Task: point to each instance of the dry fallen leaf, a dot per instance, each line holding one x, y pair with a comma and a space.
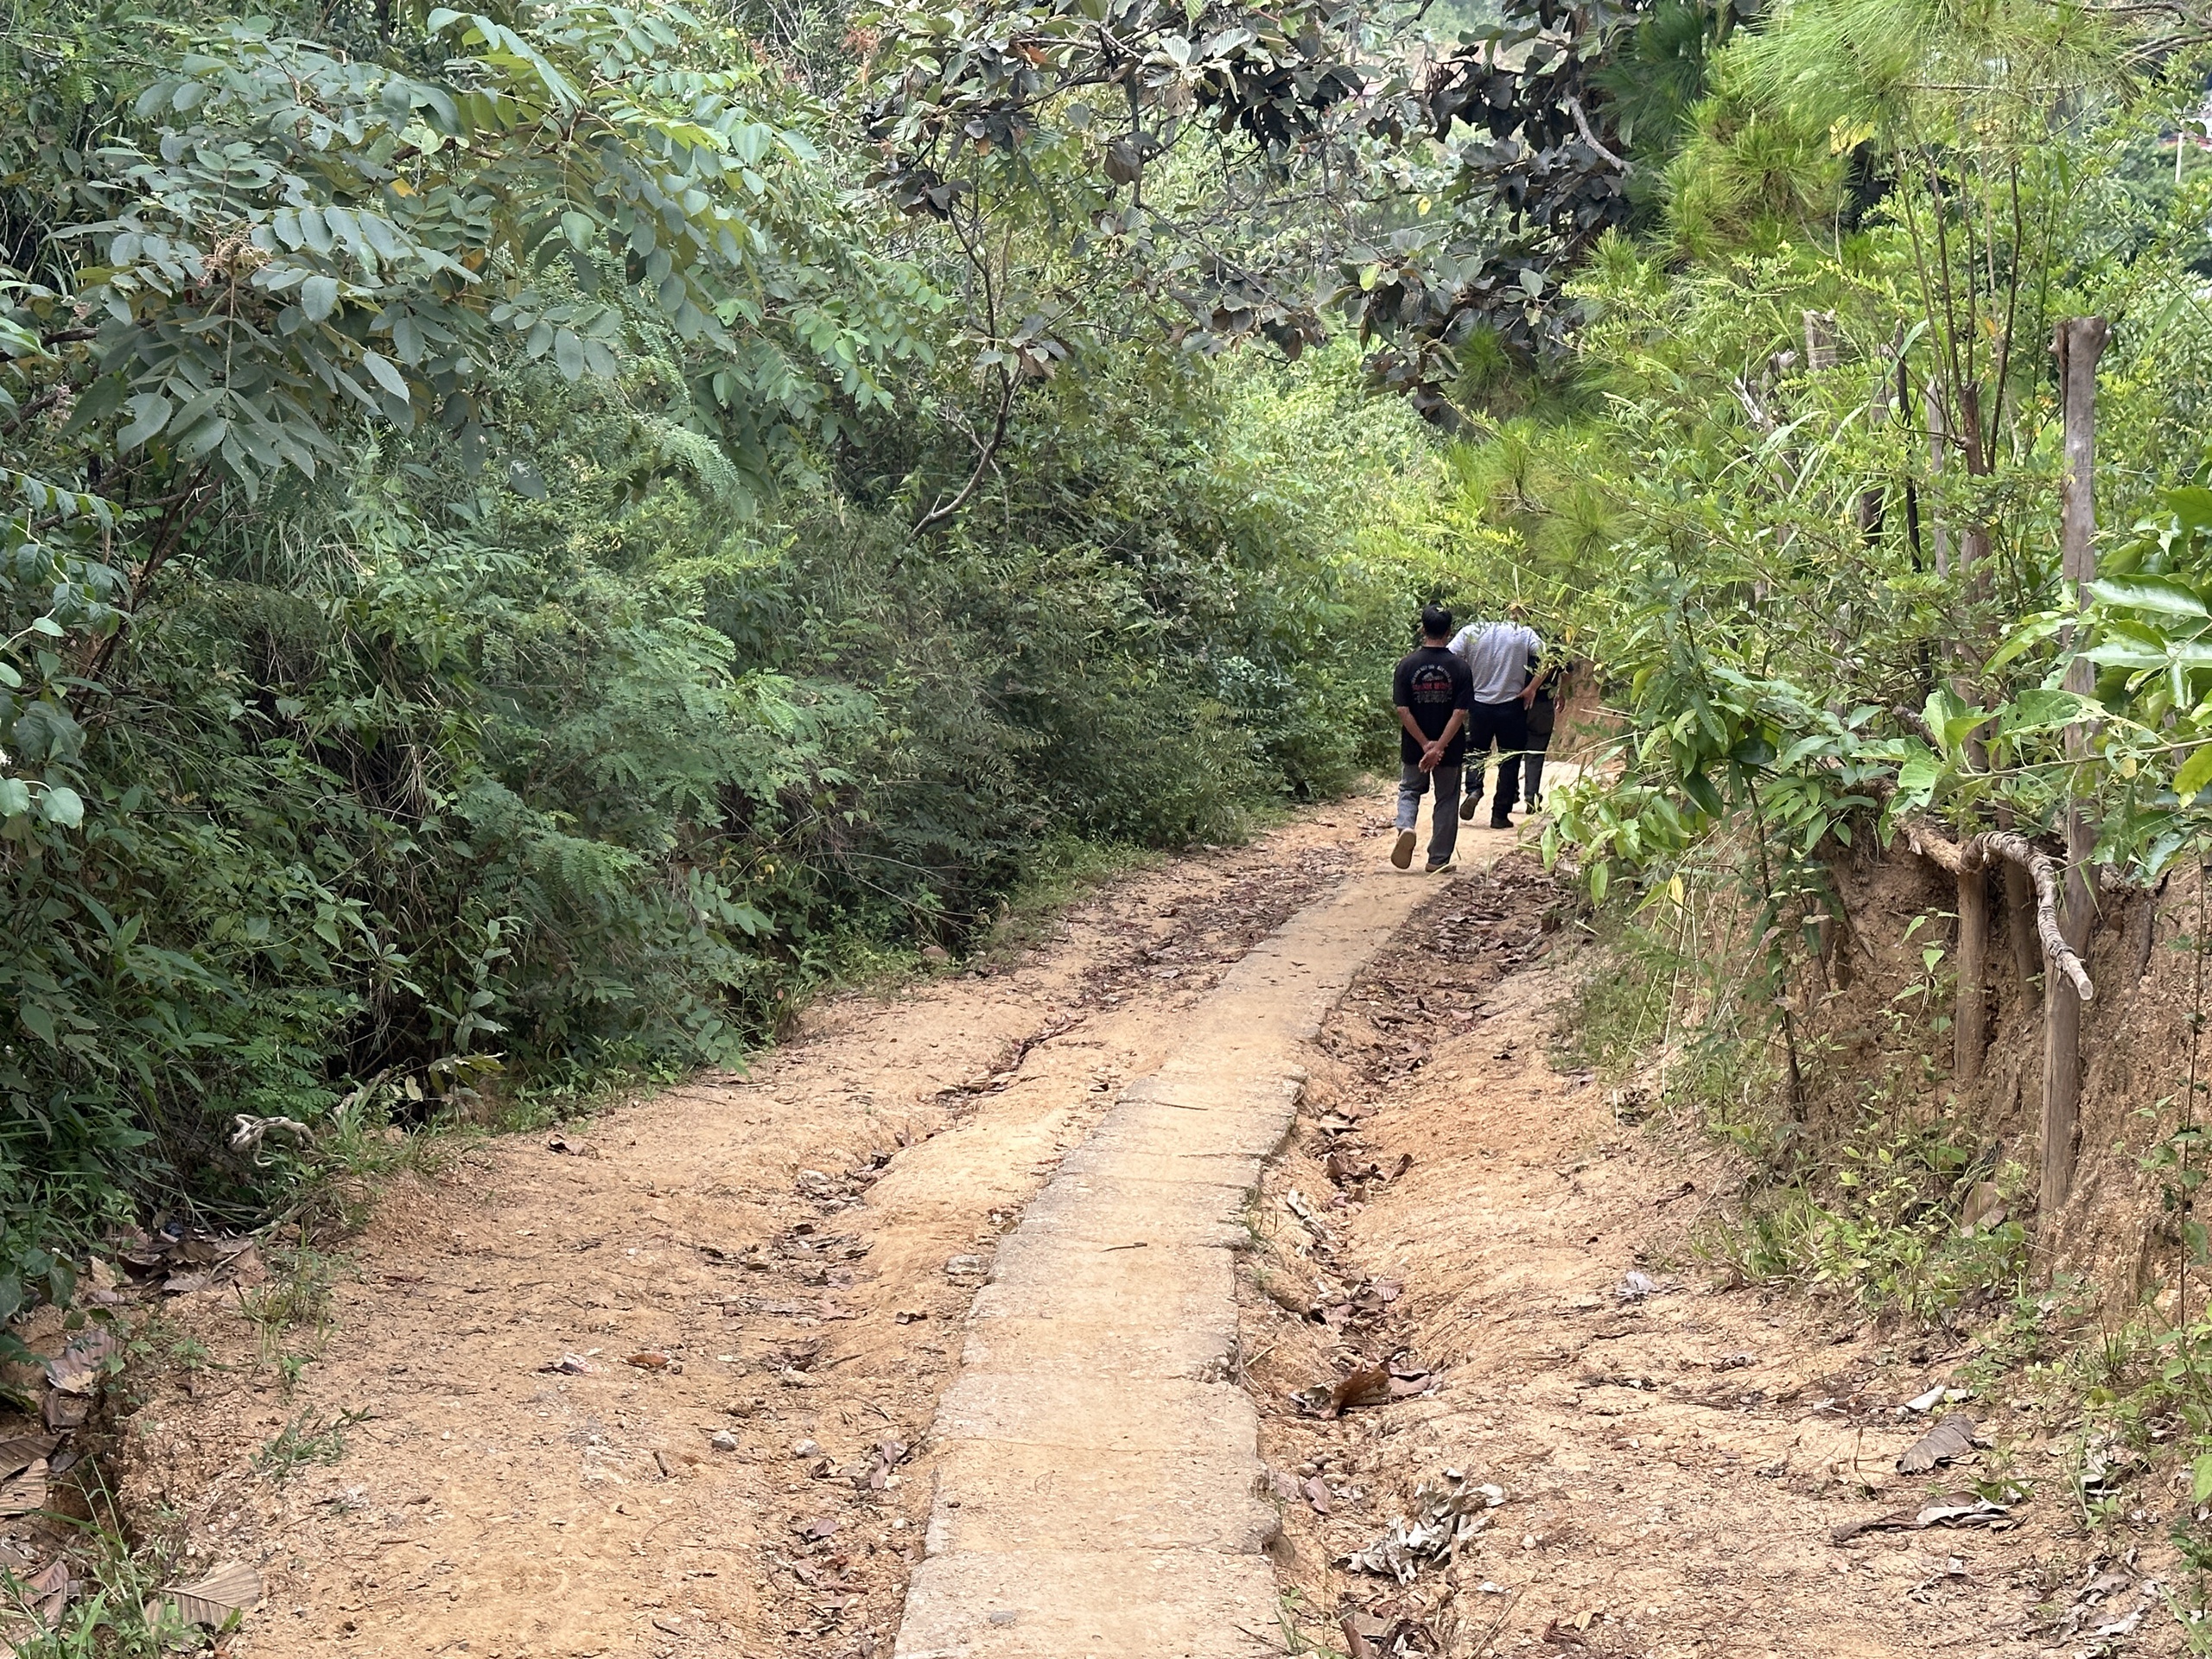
1952, 1437
1952, 1510
50, 1588
78, 1367
233, 1587
1367, 1385
19, 1451
648, 1362
26, 1493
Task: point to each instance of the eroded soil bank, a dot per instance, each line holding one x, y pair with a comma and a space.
1673, 1456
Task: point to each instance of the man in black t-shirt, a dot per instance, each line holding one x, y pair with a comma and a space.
1433, 691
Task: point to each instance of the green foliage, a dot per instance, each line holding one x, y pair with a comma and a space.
465, 635
1881, 1224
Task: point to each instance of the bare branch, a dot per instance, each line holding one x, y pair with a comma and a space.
1958, 857
1582, 127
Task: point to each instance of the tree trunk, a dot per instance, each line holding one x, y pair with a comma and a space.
1969, 1016
2079, 341
1939, 447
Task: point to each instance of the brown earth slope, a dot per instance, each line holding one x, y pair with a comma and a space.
789, 1260
1674, 1456
772, 1249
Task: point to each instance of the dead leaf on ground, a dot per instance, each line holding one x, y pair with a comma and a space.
1952, 1510
1952, 1437
570, 1365
78, 1367
233, 1587
26, 1493
652, 1360
1366, 1636
1984, 1208
1366, 1385
50, 1589
19, 1451
574, 1145
890, 1452
63, 1412
1317, 1494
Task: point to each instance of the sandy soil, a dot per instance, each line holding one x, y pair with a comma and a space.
1673, 1456
784, 1262
773, 1249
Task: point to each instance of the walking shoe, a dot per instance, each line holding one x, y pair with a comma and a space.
1403, 853
1439, 869
1467, 806
1500, 821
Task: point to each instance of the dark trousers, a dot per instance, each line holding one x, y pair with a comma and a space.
1505, 725
1541, 717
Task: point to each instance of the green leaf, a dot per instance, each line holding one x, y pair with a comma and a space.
2192, 505
15, 797
1917, 779
38, 1022
2159, 593
568, 354
2200, 1478
1599, 880
63, 806
387, 374
149, 413
1699, 788
2045, 710
318, 298
2194, 773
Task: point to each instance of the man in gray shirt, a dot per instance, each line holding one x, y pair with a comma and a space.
1498, 655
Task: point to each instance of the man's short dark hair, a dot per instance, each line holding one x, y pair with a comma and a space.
1435, 622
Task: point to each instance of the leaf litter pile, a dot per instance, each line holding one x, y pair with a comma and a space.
1505, 1410
54, 1487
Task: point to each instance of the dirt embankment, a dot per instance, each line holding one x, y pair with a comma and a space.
1668, 1459
1863, 1023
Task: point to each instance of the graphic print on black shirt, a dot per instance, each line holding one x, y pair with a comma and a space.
1432, 682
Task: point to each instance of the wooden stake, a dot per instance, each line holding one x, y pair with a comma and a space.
2079, 342
1969, 1016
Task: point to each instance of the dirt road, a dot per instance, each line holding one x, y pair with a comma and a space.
688, 1386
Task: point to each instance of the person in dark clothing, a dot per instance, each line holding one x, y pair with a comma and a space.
1542, 716
1498, 655
1433, 691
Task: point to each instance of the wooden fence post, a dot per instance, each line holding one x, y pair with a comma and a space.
1970, 1014
2079, 342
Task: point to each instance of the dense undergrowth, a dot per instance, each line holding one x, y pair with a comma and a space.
482, 614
